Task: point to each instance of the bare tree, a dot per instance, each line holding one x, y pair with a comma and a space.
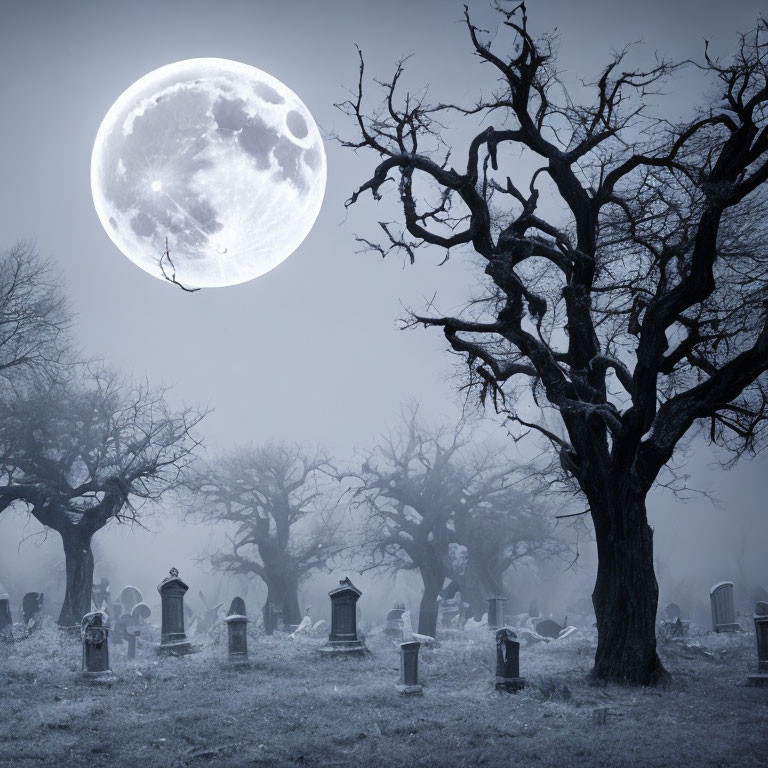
86, 451
34, 317
431, 506
637, 318
277, 497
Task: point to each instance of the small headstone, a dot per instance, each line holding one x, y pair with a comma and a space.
761, 635
672, 612
723, 612
173, 640
129, 598
548, 628
508, 662
141, 613
31, 608
94, 632
409, 668
343, 637
237, 631
450, 611
496, 612
761, 608
393, 626
567, 632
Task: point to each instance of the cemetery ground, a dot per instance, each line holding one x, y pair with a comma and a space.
290, 706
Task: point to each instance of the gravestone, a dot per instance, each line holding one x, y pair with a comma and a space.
129, 598
237, 631
409, 668
672, 612
548, 628
508, 662
141, 613
496, 612
95, 635
723, 613
6, 619
100, 597
343, 637
31, 608
450, 611
173, 640
761, 635
394, 621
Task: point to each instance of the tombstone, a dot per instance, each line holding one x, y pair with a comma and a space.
173, 640
129, 598
141, 613
508, 662
450, 611
6, 619
343, 637
394, 622
237, 631
31, 608
100, 597
672, 612
548, 628
409, 668
723, 613
761, 635
496, 612
94, 632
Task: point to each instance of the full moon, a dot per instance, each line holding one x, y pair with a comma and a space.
216, 159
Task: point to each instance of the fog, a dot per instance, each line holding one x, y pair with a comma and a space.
312, 351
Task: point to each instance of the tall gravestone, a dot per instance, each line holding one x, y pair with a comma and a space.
343, 637
6, 619
723, 612
496, 612
409, 668
508, 662
761, 635
237, 631
173, 640
95, 636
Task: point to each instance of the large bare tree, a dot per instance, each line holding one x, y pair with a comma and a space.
86, 451
277, 502
636, 316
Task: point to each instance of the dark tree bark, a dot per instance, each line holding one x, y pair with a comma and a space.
79, 568
638, 320
433, 579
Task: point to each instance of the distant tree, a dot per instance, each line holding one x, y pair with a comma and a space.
86, 451
430, 505
276, 501
634, 306
34, 317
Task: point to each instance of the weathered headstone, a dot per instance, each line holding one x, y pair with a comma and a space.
761, 635
95, 635
508, 662
409, 668
173, 640
129, 598
723, 613
6, 619
394, 621
343, 637
450, 611
237, 631
141, 613
548, 628
496, 612
100, 597
31, 608
672, 612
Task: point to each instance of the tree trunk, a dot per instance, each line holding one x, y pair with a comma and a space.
79, 564
283, 592
481, 580
626, 593
433, 583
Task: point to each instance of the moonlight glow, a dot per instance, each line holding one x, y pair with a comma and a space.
218, 157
